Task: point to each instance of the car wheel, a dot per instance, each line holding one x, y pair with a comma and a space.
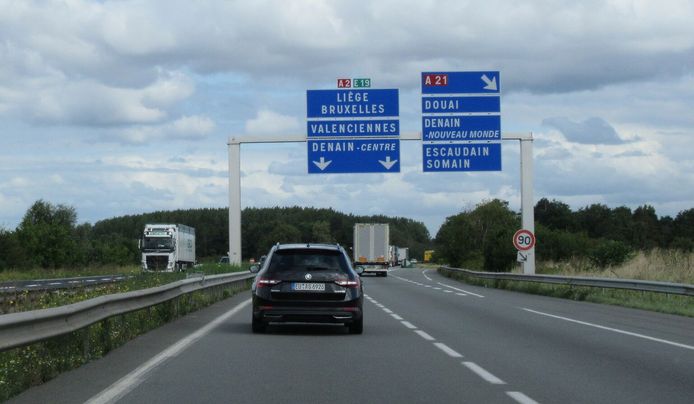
257, 326
357, 327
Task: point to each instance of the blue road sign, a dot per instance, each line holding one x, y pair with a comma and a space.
460, 82
461, 128
437, 105
357, 127
354, 103
461, 157
338, 156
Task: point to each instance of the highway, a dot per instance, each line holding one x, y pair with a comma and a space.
427, 339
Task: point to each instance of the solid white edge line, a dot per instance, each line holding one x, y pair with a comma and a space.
425, 275
602, 327
425, 335
459, 290
483, 373
449, 351
520, 397
409, 325
130, 381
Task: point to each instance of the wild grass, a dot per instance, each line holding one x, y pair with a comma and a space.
674, 266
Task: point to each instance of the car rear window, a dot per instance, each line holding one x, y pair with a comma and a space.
308, 260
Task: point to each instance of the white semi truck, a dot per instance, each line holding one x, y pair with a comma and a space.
167, 247
372, 247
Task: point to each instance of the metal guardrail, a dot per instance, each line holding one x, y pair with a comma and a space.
18, 329
608, 283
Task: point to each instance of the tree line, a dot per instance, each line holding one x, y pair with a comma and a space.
49, 236
481, 237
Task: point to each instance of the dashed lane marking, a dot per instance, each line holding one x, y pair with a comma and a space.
460, 290
520, 397
448, 350
484, 374
602, 327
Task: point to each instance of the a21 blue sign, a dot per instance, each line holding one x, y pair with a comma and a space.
461, 107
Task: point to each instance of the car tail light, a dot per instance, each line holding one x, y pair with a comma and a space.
265, 282
348, 283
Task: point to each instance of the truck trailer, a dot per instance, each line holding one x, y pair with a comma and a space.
372, 247
403, 255
167, 247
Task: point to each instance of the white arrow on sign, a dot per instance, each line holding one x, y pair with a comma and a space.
388, 163
490, 84
322, 164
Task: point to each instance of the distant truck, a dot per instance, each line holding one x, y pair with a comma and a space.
372, 247
403, 255
167, 247
393, 255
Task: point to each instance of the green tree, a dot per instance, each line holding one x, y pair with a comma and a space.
554, 215
47, 235
481, 237
320, 232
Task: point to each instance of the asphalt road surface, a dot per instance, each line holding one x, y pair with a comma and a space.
427, 339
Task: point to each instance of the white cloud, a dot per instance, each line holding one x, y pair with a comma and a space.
82, 82
269, 122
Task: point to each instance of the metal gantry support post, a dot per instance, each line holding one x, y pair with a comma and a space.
527, 202
234, 202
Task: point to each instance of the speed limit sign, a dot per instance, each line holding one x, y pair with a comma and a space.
523, 240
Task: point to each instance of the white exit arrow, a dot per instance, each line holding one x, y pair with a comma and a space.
388, 163
322, 164
490, 84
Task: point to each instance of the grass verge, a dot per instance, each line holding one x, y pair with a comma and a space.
659, 302
24, 367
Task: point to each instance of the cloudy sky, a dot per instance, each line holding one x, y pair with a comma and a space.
125, 107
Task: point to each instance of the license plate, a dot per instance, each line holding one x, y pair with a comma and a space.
308, 287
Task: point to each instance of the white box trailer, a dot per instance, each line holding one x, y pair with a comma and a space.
167, 247
403, 255
372, 247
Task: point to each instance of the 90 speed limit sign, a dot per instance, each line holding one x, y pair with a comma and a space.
523, 240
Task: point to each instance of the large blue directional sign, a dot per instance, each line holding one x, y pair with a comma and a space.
338, 123
332, 156
352, 103
461, 157
461, 128
463, 110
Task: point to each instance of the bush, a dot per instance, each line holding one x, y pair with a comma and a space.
609, 253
